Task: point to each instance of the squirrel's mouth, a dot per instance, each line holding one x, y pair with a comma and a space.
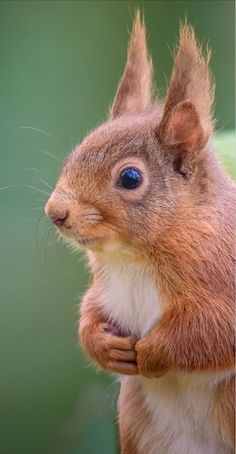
87, 242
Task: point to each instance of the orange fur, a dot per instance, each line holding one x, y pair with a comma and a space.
224, 411
133, 415
175, 236
135, 87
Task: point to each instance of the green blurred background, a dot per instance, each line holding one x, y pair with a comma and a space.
60, 62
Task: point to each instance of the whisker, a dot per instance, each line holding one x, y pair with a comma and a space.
45, 247
48, 153
28, 186
40, 179
41, 200
30, 209
37, 229
41, 131
3, 188
32, 168
51, 243
26, 221
49, 228
61, 256
45, 182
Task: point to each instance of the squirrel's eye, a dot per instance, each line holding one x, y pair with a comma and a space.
130, 178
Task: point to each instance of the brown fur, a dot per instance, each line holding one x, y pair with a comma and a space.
179, 224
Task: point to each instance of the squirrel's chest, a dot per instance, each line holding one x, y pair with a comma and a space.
130, 298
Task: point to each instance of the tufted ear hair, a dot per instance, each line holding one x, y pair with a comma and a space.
187, 119
135, 87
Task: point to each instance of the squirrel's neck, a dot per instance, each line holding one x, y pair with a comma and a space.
197, 250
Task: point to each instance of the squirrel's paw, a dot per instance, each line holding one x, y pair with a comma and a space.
114, 353
148, 362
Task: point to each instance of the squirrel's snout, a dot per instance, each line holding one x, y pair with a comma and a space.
73, 219
58, 214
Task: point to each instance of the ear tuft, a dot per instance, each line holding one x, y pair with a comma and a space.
187, 117
135, 88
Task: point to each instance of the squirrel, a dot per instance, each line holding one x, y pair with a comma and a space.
145, 196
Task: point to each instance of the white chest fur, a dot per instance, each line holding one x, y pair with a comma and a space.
180, 405
130, 297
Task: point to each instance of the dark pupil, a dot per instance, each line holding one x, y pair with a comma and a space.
130, 178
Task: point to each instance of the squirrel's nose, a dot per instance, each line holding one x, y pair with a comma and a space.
57, 214
59, 219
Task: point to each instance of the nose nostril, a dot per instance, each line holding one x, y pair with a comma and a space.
58, 213
59, 220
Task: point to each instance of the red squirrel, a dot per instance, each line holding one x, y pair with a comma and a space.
145, 196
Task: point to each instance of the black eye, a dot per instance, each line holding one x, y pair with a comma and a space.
130, 178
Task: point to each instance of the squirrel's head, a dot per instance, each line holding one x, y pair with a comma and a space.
127, 179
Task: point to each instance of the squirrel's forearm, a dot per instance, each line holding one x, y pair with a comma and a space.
189, 340
90, 317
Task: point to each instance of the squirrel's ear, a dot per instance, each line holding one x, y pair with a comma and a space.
187, 119
135, 87
182, 128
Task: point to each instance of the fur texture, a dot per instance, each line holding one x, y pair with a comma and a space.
160, 310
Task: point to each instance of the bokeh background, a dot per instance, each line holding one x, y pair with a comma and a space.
60, 62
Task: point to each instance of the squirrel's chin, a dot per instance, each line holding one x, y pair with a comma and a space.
88, 242
71, 236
